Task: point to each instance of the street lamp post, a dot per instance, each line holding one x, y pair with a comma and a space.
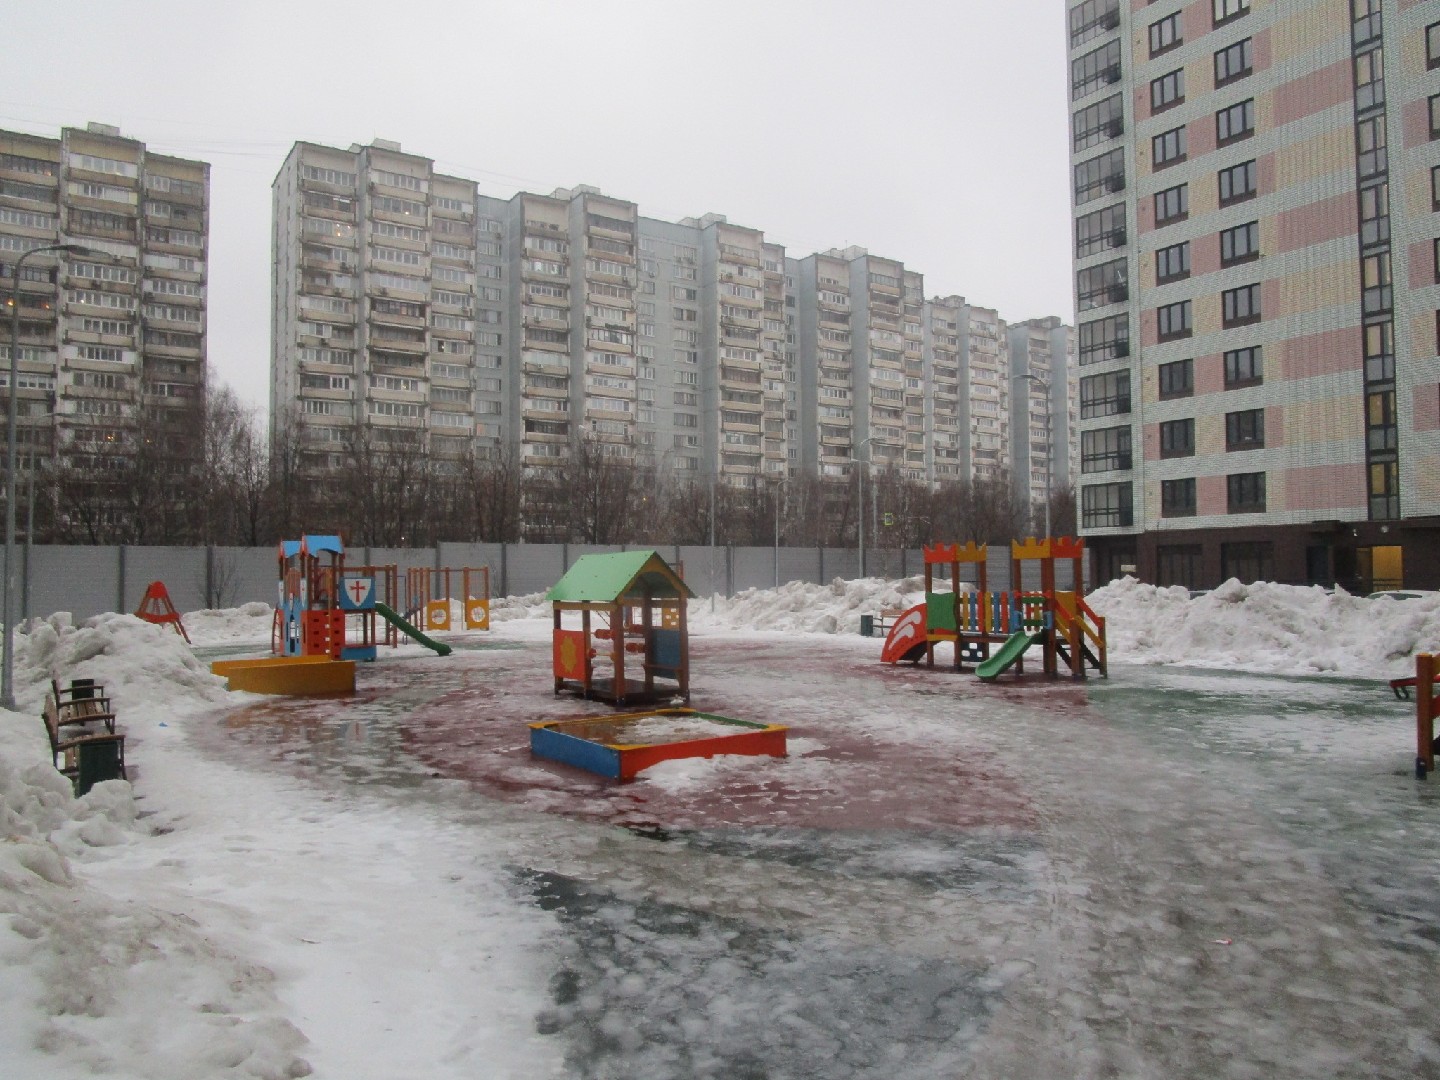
1049, 449
779, 486
860, 510
7, 662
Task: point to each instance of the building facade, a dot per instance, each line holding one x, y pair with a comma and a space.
412, 311
111, 354
1255, 217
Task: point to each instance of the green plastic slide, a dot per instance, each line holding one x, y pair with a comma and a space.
406, 627
1014, 648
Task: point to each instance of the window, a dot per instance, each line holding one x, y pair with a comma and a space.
1105, 283
1235, 123
1095, 69
1240, 244
1373, 156
1245, 493
1105, 449
1105, 395
1240, 306
1243, 367
1434, 106
1435, 258
1100, 231
1167, 148
1370, 80
1225, 10
1172, 205
1380, 352
1245, 430
1105, 506
1377, 294
1104, 339
1233, 62
1384, 490
1166, 34
1096, 123
1380, 421
1237, 183
1172, 263
1375, 214
1177, 499
1092, 18
1253, 561
1178, 564
1100, 176
1177, 379
1167, 91
1174, 320
1177, 438
1432, 45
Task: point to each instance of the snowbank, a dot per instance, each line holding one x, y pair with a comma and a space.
812, 609
1263, 627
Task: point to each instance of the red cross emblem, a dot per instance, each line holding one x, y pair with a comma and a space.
358, 588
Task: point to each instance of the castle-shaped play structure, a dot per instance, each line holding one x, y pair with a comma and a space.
1069, 634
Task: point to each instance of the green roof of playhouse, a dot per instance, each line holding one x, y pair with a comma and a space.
606, 579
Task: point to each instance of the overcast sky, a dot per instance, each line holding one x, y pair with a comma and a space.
930, 131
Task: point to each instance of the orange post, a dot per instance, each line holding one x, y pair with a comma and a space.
1425, 709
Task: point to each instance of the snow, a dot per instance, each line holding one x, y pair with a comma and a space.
255, 909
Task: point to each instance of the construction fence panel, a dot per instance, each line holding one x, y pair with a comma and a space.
81, 580
533, 568
752, 568
242, 575
181, 569
704, 571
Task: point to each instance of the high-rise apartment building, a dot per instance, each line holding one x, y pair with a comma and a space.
410, 311
1256, 209
111, 332
1042, 371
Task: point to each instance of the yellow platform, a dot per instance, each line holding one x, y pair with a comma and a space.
296, 675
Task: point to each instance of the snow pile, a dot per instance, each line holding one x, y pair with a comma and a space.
529, 606
1264, 627
249, 622
804, 608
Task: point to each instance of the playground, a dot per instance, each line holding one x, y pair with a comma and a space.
1167, 872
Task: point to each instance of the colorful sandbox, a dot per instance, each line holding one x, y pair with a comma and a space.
294, 675
620, 745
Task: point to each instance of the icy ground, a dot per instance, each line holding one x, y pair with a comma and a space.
1173, 872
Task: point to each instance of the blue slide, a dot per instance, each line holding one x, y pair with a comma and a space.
1009, 653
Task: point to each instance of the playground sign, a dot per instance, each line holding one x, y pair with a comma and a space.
357, 593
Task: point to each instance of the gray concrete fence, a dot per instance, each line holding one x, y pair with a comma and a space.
86, 581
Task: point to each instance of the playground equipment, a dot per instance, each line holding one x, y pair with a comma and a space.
428, 594
293, 675
1427, 707
638, 602
155, 607
328, 609
1065, 627
619, 746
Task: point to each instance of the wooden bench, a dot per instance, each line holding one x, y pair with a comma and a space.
86, 755
886, 619
82, 703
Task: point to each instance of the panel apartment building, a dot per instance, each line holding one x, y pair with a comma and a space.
115, 333
411, 308
1255, 195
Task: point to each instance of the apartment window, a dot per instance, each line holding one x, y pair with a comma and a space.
1233, 62
1177, 498
1167, 148
1225, 10
1172, 205
1105, 449
1380, 352
1105, 395
1237, 183
1373, 156
1370, 80
1105, 283
1240, 306
1179, 564
1093, 18
1240, 244
1096, 123
1177, 438
1104, 339
1380, 421
1245, 493
1432, 45
1100, 176
1177, 379
1375, 214
1106, 506
1174, 320
1166, 34
1245, 430
1235, 123
1252, 561
1172, 263
1377, 293
1100, 231
1243, 367
1167, 91
1435, 258
1095, 69
1384, 490
1434, 105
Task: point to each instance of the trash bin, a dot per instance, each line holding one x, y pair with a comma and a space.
82, 689
97, 762
867, 625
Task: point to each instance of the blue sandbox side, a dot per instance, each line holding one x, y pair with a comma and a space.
582, 753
